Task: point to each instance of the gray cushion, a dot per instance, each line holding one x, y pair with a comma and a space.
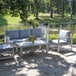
64, 35
4, 47
13, 34
36, 32
60, 41
24, 33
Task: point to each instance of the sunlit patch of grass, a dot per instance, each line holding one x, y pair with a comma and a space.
31, 17
44, 14
12, 20
8, 19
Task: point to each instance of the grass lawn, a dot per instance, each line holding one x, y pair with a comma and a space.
8, 19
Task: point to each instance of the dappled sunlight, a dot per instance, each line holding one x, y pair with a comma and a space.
37, 64
31, 17
44, 14
12, 20
41, 64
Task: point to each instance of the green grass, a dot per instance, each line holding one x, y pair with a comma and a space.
45, 17
9, 20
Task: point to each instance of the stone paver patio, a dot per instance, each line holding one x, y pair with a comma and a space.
41, 64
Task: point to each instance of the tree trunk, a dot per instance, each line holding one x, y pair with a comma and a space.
37, 8
51, 8
63, 8
37, 14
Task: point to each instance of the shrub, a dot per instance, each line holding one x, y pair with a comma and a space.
51, 37
34, 23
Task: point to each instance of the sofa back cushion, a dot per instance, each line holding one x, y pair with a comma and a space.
13, 34
24, 33
36, 32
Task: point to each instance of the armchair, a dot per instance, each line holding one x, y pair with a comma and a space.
64, 39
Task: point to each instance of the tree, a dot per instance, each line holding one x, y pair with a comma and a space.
37, 6
74, 7
51, 8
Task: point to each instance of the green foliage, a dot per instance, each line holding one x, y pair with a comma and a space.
1, 42
34, 23
54, 36
32, 38
23, 8
74, 38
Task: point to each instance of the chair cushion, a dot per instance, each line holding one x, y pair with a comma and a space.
24, 33
60, 41
13, 34
64, 34
36, 32
4, 47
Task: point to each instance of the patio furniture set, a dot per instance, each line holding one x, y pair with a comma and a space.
18, 40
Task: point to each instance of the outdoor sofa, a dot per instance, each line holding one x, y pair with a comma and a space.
19, 35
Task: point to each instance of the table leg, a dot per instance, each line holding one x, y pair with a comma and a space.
21, 51
47, 48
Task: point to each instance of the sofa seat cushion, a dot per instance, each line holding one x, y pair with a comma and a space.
18, 40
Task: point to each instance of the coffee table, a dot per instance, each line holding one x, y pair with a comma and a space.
25, 44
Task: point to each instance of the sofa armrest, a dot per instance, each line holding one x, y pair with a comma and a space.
6, 39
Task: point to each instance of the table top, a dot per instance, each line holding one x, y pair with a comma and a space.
29, 43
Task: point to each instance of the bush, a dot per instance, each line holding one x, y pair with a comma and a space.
1, 41
34, 23
51, 37
74, 40
1, 36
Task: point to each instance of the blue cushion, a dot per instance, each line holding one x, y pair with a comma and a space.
13, 34
24, 33
4, 47
36, 32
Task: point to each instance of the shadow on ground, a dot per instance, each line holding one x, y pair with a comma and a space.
35, 64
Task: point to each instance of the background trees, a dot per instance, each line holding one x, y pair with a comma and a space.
24, 8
